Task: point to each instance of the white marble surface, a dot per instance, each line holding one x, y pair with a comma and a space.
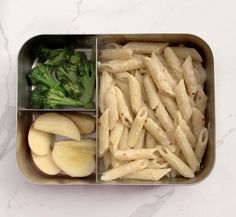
212, 20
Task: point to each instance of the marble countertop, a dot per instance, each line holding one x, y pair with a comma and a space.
211, 20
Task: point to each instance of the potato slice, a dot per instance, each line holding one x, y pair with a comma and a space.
45, 163
57, 124
73, 160
85, 123
88, 144
39, 141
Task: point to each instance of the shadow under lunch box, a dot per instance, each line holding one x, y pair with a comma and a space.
91, 44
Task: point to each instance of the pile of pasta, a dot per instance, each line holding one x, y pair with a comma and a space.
152, 105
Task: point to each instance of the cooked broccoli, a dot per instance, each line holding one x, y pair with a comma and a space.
56, 98
42, 75
67, 73
38, 96
72, 90
46, 53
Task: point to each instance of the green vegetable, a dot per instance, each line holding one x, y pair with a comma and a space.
38, 96
72, 90
56, 98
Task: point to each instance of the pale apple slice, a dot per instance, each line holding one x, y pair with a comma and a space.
85, 123
73, 160
57, 124
87, 144
45, 163
39, 141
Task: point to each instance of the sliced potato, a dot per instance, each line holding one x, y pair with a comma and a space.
85, 123
57, 124
39, 141
73, 160
88, 144
45, 163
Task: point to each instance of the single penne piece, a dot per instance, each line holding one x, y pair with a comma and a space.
151, 90
164, 70
137, 127
190, 77
116, 53
174, 62
198, 122
123, 144
176, 162
202, 72
165, 120
123, 110
186, 149
140, 142
150, 142
116, 163
107, 160
201, 100
158, 76
103, 138
157, 164
111, 45
201, 144
134, 154
179, 121
151, 113
111, 104
182, 100
124, 169
122, 76
116, 66
115, 136
145, 47
157, 132
170, 105
135, 94
183, 52
148, 174
140, 80
105, 83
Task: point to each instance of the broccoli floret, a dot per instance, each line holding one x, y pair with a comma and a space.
46, 53
67, 73
88, 82
42, 75
38, 96
56, 98
72, 90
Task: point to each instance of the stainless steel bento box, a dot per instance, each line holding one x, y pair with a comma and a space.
92, 44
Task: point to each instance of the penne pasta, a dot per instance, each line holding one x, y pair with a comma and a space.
198, 122
201, 100
116, 53
122, 76
107, 160
140, 142
140, 80
124, 169
148, 174
116, 66
123, 144
183, 101
105, 83
150, 141
115, 136
151, 90
176, 162
135, 94
103, 133
116, 163
174, 62
111, 104
183, 52
157, 164
145, 47
201, 72
134, 154
123, 110
190, 77
111, 45
137, 127
157, 132
179, 121
159, 77
201, 144
170, 105
186, 149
